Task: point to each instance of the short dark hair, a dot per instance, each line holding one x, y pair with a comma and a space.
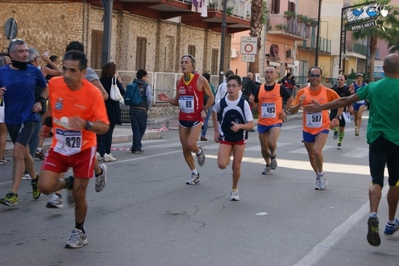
315, 67
228, 73
207, 76
141, 73
234, 77
53, 58
77, 56
76, 46
108, 70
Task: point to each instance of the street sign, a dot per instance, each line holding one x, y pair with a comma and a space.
364, 25
10, 29
247, 58
249, 45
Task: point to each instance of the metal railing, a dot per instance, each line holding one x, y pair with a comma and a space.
324, 44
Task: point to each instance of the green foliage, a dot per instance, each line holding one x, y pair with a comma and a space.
265, 12
289, 14
230, 11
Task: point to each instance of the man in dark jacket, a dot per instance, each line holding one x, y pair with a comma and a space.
248, 86
138, 113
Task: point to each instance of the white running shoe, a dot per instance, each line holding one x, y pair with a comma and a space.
273, 163
267, 170
201, 156
109, 158
55, 202
321, 183
234, 196
26, 177
98, 156
194, 179
77, 239
101, 180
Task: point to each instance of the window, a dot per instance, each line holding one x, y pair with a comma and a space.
291, 6
96, 49
214, 65
141, 52
191, 50
275, 9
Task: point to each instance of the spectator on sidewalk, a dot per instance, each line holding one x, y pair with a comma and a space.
3, 128
208, 114
139, 113
190, 90
222, 89
104, 141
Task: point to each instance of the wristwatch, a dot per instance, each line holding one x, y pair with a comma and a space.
89, 125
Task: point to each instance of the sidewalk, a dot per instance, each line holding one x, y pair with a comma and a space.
154, 130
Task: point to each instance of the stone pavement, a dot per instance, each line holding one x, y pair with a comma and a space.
123, 133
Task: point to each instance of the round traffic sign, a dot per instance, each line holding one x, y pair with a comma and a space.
10, 29
248, 48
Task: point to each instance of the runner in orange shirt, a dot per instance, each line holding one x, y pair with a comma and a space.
77, 113
316, 126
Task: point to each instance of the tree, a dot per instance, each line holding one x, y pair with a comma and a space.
258, 19
384, 29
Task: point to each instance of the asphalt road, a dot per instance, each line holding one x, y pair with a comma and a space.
148, 216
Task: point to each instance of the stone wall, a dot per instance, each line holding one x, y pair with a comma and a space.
51, 25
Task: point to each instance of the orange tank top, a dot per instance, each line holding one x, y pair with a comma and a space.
270, 105
315, 122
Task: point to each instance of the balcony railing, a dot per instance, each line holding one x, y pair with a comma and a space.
238, 8
310, 43
360, 49
291, 26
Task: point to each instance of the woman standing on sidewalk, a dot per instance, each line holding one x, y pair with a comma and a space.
113, 110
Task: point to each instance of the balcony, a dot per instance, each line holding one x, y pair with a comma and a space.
289, 28
310, 44
237, 19
360, 49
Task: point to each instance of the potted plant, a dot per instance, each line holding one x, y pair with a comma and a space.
302, 18
313, 22
280, 27
289, 14
230, 10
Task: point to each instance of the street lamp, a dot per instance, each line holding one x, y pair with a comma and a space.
316, 61
221, 68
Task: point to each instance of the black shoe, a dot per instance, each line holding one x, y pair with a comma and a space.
373, 237
69, 180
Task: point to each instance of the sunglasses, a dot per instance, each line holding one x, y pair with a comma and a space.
314, 75
340, 79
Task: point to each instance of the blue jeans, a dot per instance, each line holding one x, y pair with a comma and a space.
206, 120
104, 141
138, 120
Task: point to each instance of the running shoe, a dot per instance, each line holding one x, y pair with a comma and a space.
26, 177
98, 156
138, 151
40, 155
390, 229
321, 183
339, 146
4, 161
109, 158
55, 202
77, 239
201, 156
11, 199
335, 136
273, 163
101, 180
234, 196
267, 170
194, 179
357, 131
35, 190
373, 237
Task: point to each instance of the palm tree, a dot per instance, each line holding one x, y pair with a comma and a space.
258, 19
384, 30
